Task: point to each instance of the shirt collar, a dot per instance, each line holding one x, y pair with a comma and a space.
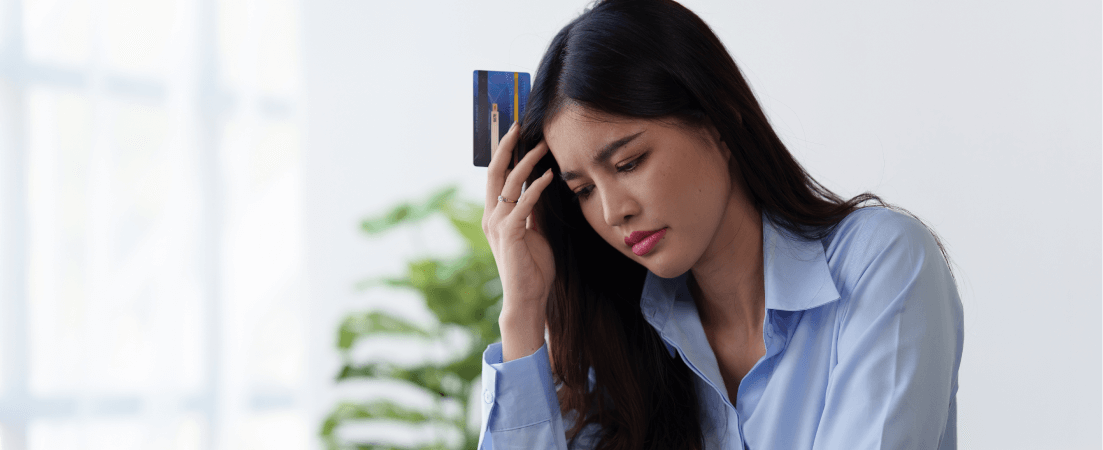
796, 275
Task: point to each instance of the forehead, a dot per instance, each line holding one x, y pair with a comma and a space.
576, 134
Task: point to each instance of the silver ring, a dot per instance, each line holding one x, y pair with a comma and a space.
503, 199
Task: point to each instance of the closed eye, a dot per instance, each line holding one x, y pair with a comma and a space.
633, 164
629, 166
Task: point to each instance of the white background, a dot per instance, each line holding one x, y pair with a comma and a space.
981, 117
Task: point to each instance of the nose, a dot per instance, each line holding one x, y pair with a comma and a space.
618, 205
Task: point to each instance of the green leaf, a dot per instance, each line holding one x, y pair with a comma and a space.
377, 409
455, 291
464, 292
469, 368
429, 377
390, 447
363, 324
467, 219
371, 282
441, 199
409, 213
388, 221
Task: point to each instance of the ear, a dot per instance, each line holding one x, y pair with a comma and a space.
714, 134
718, 140
725, 151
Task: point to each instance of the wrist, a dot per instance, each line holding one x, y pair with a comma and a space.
517, 309
522, 315
522, 332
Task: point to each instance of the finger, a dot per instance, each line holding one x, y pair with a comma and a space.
524, 206
510, 140
521, 171
496, 170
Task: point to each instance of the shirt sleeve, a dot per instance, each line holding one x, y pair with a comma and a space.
520, 406
900, 338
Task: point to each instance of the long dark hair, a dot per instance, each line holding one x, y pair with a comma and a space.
647, 59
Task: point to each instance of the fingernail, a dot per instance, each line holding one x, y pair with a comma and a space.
547, 172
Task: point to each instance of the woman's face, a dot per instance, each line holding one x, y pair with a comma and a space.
656, 180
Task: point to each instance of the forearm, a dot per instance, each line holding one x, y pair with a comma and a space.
522, 329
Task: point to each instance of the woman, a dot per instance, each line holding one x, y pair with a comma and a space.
698, 288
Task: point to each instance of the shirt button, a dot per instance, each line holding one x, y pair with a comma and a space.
488, 396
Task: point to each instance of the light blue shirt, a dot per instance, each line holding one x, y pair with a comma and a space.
863, 335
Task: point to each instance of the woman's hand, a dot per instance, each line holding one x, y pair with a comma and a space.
524, 258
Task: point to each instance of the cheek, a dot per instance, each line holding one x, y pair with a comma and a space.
591, 210
704, 188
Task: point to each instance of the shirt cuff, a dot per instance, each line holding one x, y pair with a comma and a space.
518, 393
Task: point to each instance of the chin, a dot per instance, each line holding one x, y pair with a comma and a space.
667, 274
664, 268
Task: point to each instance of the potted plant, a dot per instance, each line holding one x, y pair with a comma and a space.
462, 292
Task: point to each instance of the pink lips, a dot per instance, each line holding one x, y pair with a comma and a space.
643, 241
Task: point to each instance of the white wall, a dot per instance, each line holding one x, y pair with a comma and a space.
983, 118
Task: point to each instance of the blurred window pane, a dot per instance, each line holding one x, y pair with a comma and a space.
114, 435
51, 435
264, 247
278, 54
8, 260
5, 28
138, 34
179, 433
258, 45
275, 156
58, 31
276, 430
59, 141
233, 24
110, 434
140, 249
278, 350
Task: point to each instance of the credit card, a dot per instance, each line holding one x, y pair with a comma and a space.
500, 99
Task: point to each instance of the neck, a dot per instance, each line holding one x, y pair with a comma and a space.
727, 282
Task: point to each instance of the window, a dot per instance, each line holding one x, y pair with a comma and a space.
150, 245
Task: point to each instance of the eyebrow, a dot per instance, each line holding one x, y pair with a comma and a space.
604, 154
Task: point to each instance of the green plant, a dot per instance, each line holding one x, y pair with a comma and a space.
462, 292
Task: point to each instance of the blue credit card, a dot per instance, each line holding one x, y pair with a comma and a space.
500, 99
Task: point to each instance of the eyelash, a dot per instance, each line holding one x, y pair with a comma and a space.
634, 164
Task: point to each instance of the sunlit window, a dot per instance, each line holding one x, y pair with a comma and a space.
151, 294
